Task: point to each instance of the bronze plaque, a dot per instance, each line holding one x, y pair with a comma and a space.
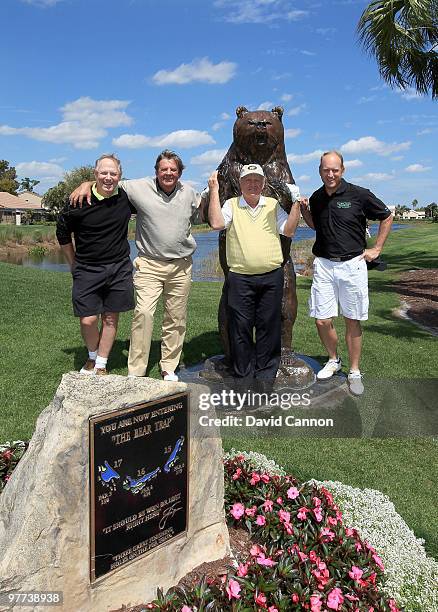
138, 481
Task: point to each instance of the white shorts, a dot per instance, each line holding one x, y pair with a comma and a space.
345, 282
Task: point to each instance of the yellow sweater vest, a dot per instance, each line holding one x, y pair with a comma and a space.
253, 243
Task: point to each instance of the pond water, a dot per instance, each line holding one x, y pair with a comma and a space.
206, 241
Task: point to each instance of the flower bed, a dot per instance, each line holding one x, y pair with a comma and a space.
411, 577
305, 557
10, 455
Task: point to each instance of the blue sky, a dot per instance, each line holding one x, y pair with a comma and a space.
83, 77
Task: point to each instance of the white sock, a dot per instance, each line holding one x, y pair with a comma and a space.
92, 355
101, 362
354, 371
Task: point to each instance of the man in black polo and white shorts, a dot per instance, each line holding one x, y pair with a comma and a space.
338, 212
99, 261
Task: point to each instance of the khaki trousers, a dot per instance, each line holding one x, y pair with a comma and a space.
153, 278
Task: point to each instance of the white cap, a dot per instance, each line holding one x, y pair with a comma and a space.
251, 169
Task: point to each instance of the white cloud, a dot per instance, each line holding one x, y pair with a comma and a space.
305, 157
62, 133
425, 131
258, 11
374, 177
304, 178
305, 52
409, 94
414, 168
370, 144
182, 139
213, 157
352, 163
99, 113
201, 70
42, 3
296, 110
292, 132
39, 169
84, 123
325, 31
366, 99
225, 116
265, 106
286, 97
296, 15
217, 126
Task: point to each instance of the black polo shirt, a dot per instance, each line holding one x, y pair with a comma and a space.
340, 219
100, 230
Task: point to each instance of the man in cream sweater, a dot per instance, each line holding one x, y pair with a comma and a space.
255, 280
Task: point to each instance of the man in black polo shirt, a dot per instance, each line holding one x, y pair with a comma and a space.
338, 212
99, 261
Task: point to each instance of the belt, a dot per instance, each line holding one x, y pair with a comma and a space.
344, 258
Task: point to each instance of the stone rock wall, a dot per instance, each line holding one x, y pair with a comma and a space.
44, 509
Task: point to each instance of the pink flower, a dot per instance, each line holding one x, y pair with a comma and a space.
316, 501
284, 516
251, 511
260, 599
378, 562
186, 609
327, 495
255, 478
237, 474
302, 513
266, 561
318, 514
268, 505
393, 606
352, 598
315, 603
260, 520
332, 521
280, 501
238, 510
349, 532
334, 599
302, 556
255, 550
313, 556
272, 609
265, 478
295, 598
327, 535
288, 528
242, 570
358, 546
233, 589
292, 493
355, 573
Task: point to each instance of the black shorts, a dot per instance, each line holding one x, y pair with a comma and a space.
102, 288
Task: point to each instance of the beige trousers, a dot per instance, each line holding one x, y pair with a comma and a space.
153, 278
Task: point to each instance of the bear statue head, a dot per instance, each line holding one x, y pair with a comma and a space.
259, 135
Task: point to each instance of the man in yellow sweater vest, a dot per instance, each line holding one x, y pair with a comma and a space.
255, 280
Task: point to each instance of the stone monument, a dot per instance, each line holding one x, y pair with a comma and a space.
49, 525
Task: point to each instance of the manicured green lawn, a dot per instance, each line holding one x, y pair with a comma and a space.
40, 340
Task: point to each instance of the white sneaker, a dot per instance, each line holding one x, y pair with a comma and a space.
331, 367
355, 383
170, 376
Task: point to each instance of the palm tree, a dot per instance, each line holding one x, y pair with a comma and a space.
28, 184
414, 204
403, 36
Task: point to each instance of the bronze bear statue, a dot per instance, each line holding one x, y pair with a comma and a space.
258, 137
